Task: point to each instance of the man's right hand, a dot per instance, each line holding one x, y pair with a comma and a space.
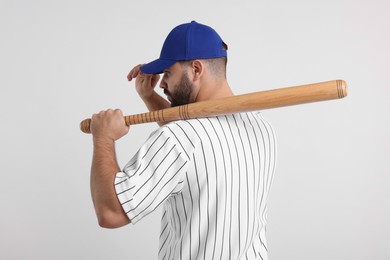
145, 83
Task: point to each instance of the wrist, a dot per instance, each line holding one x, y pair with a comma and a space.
103, 141
147, 96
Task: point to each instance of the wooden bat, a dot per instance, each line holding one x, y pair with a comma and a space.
241, 103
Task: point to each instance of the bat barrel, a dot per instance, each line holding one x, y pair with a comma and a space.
281, 97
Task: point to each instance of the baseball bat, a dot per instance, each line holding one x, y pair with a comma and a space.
261, 100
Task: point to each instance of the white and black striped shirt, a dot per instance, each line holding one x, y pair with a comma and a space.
212, 176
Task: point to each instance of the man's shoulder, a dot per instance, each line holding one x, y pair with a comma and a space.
192, 127
182, 131
187, 125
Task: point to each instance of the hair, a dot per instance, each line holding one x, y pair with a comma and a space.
216, 66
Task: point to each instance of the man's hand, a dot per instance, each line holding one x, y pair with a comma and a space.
145, 83
108, 125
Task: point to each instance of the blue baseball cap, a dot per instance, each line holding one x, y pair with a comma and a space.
187, 41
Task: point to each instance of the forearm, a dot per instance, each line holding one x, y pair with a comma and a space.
156, 102
104, 168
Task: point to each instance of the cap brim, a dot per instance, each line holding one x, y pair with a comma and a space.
157, 66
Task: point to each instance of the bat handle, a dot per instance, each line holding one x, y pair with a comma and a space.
85, 125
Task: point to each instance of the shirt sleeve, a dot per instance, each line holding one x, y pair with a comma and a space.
155, 172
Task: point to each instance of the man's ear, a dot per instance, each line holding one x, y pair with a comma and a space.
198, 68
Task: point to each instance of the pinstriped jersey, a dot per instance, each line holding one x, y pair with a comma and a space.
212, 177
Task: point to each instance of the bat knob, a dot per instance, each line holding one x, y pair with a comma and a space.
85, 126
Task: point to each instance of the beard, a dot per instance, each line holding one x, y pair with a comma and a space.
183, 92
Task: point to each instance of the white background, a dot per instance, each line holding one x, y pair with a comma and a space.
61, 61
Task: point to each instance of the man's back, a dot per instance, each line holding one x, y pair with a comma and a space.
221, 209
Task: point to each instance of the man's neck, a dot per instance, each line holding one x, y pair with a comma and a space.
214, 91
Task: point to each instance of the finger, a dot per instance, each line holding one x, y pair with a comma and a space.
118, 111
134, 72
130, 75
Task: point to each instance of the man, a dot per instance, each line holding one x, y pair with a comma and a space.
211, 175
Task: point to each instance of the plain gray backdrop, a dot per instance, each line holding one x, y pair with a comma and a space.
62, 61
